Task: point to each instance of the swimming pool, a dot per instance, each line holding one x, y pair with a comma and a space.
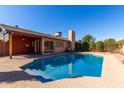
65, 66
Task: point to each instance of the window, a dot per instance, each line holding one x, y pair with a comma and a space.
48, 46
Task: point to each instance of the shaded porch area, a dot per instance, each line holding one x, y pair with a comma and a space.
16, 43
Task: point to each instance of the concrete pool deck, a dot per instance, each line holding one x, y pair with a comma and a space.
11, 76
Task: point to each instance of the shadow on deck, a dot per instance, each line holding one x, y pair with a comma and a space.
32, 56
13, 76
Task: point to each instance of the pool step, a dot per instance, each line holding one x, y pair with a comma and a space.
29, 71
38, 73
46, 75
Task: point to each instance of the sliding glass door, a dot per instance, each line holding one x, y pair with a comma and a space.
48, 46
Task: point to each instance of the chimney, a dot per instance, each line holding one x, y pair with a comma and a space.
71, 37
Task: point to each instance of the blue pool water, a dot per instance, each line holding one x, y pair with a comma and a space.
65, 66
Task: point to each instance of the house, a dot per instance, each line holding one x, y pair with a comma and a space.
15, 40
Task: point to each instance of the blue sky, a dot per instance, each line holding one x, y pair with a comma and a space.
100, 21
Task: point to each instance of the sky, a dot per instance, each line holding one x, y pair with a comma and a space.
100, 21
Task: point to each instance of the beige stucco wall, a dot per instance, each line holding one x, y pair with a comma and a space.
61, 49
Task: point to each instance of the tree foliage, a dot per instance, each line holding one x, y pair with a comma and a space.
85, 46
80, 41
88, 38
110, 45
120, 43
99, 46
92, 46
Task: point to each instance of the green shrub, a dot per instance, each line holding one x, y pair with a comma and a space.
110, 45
85, 46
92, 46
99, 46
120, 43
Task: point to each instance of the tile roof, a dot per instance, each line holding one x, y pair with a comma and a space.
26, 31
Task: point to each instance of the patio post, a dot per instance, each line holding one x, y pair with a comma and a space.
10, 45
41, 47
35, 46
38, 51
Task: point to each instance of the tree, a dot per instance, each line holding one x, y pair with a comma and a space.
88, 38
80, 41
99, 46
92, 46
120, 43
85, 46
110, 45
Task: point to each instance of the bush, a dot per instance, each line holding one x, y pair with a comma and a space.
85, 46
99, 46
110, 45
120, 43
92, 46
